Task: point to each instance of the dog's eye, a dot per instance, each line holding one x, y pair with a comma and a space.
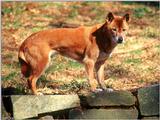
124, 29
114, 29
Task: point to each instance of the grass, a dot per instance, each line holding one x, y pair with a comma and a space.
9, 76
64, 64
36, 29
10, 71
133, 61
158, 49
151, 32
16, 24
7, 10
137, 52
136, 64
158, 46
74, 85
74, 64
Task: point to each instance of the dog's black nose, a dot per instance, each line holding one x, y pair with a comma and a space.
120, 39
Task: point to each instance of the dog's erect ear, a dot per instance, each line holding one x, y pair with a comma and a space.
110, 17
126, 17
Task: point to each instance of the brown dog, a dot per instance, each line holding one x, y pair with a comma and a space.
88, 45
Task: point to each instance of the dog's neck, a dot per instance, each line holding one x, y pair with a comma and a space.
104, 39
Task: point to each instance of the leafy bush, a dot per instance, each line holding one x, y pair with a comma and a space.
141, 11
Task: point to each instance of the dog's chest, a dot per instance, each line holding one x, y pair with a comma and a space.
103, 56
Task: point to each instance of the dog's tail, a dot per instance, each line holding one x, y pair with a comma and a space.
25, 67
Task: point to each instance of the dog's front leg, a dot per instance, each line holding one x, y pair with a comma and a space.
100, 74
89, 65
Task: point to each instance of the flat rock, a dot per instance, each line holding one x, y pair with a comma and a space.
29, 106
150, 118
149, 100
105, 114
115, 98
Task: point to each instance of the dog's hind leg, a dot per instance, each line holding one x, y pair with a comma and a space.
32, 84
36, 73
38, 61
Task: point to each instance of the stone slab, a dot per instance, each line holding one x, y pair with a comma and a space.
150, 118
104, 114
115, 98
149, 100
28, 106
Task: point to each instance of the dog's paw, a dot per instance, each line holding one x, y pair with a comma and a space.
109, 90
38, 93
97, 90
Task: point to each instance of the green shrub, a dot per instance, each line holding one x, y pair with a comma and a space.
141, 11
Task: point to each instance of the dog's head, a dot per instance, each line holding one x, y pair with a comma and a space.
118, 25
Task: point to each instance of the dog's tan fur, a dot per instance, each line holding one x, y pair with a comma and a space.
88, 45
